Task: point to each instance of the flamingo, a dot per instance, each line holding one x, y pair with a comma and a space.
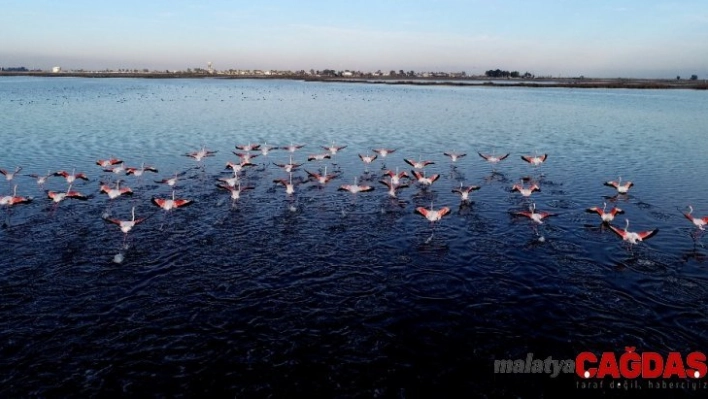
58, 197
619, 186
292, 147
171, 181
319, 157
126, 225
234, 190
116, 192
118, 168
137, 172
525, 191
333, 149
200, 154
533, 215
493, 159
431, 214
245, 158
14, 199
71, 177
288, 184
237, 167
392, 187
606, 216
355, 188
465, 191
698, 222
248, 147
396, 176
265, 149
41, 179
169, 204
383, 152
425, 181
454, 156
323, 178
418, 164
633, 237
107, 163
288, 167
10, 175
535, 160
230, 181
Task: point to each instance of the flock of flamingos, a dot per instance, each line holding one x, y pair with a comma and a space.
393, 180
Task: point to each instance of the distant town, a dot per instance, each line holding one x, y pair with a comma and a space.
490, 77
209, 70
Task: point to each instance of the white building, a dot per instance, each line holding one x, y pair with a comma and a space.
56, 69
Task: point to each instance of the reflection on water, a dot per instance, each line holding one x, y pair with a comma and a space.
327, 291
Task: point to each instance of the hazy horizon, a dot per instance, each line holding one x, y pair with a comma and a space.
640, 39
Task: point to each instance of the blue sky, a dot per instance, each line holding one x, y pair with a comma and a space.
598, 38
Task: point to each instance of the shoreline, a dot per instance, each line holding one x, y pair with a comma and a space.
579, 83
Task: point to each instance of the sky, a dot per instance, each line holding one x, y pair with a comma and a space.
558, 38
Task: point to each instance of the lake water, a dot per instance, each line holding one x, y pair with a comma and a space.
328, 293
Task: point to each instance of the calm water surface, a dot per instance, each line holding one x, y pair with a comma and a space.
327, 293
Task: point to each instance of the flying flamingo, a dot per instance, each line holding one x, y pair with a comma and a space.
126, 225
245, 157
14, 199
288, 167
535, 160
633, 237
41, 180
323, 178
318, 157
292, 147
418, 164
355, 188
396, 176
107, 163
333, 149
367, 159
383, 152
116, 192
606, 216
71, 177
248, 147
171, 181
200, 154
57, 197
237, 167
288, 184
454, 156
433, 215
392, 187
230, 181
137, 172
425, 181
525, 191
493, 159
118, 168
698, 222
10, 175
169, 204
235, 191
533, 215
465, 191
621, 188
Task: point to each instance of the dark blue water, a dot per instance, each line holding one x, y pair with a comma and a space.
327, 293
